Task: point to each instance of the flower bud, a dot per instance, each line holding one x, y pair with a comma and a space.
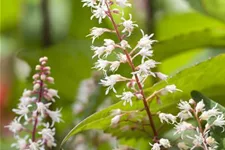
38, 67
50, 80
35, 76
43, 77
36, 86
115, 120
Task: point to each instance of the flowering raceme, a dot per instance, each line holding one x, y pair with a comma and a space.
33, 110
125, 54
206, 120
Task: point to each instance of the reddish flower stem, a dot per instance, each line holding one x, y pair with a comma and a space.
36, 119
155, 139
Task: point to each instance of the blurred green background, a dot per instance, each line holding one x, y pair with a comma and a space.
188, 31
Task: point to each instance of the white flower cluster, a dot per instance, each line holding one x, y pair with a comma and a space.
143, 49
32, 111
206, 120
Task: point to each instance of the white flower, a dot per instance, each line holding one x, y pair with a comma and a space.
21, 143
184, 106
182, 127
182, 146
115, 120
99, 51
220, 121
109, 46
170, 88
114, 65
200, 107
191, 101
22, 111
89, 3
50, 80
122, 57
145, 41
161, 75
48, 136
15, 126
26, 100
110, 81
184, 115
97, 32
169, 118
27, 93
128, 25
55, 116
36, 86
145, 53
155, 146
52, 93
123, 3
210, 113
127, 97
43, 77
101, 64
144, 68
42, 108
165, 143
124, 44
34, 145
210, 141
115, 112
198, 139
99, 12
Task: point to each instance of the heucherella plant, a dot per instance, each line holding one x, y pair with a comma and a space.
126, 54
195, 135
34, 116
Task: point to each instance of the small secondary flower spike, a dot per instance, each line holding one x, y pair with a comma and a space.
33, 110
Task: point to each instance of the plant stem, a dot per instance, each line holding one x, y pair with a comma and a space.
46, 34
36, 119
200, 128
155, 139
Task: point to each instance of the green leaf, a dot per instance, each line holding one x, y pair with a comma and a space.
196, 77
182, 32
215, 8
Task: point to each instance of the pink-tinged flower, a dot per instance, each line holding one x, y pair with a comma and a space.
15, 126
42, 108
22, 111
21, 143
48, 136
